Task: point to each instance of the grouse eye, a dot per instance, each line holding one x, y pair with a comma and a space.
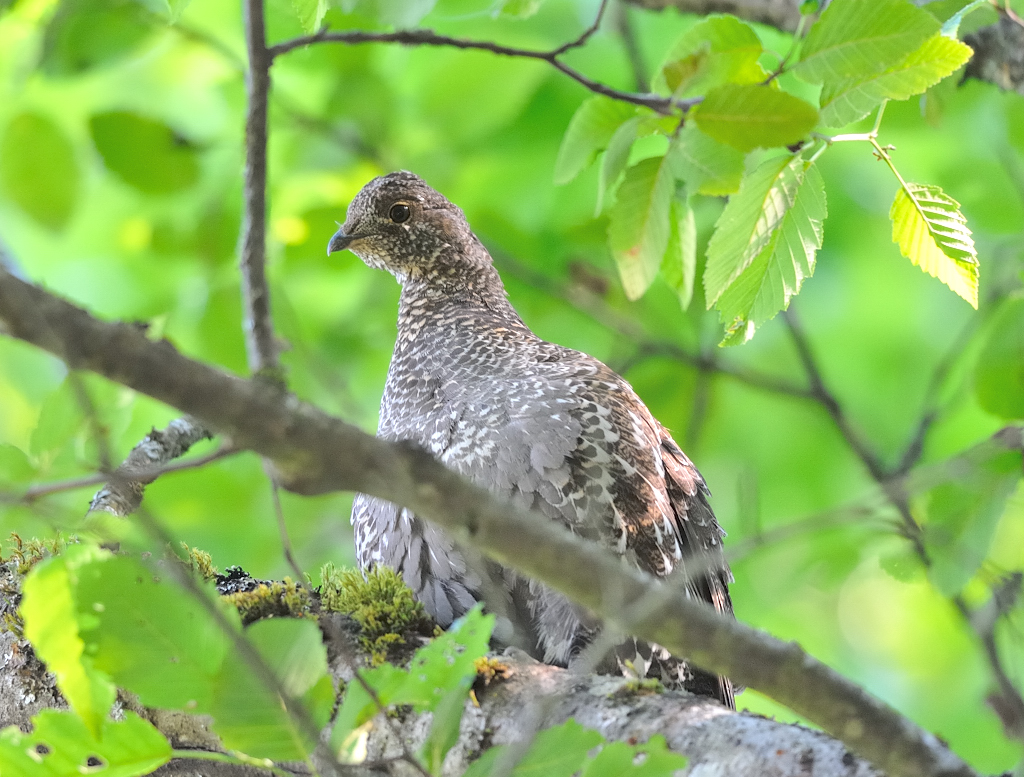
400, 213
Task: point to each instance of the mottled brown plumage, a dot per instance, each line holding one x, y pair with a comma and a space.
546, 427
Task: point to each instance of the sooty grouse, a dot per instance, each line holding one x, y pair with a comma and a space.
544, 426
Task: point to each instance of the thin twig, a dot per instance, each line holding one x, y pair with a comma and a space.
605, 315
889, 480
587, 33
40, 490
100, 430
282, 527
259, 329
663, 105
634, 54
820, 393
296, 709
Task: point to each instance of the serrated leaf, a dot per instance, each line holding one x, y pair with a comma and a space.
716, 51
52, 626
310, 12
932, 232
590, 130
144, 153
639, 227
999, 372
849, 100
747, 223
855, 38
707, 166
38, 169
679, 265
616, 157
60, 745
776, 274
750, 116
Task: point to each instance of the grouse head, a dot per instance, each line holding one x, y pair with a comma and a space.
399, 224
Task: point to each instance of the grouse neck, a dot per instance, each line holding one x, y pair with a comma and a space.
430, 304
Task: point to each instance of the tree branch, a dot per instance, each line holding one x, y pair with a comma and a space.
315, 453
1009, 701
259, 328
784, 14
664, 105
123, 493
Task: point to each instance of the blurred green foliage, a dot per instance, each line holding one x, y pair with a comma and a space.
120, 175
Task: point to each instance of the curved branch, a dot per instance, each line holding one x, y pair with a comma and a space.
664, 105
315, 453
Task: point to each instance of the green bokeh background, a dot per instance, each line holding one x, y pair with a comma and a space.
137, 218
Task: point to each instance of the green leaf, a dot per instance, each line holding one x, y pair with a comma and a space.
60, 745
144, 153
310, 12
849, 100
750, 116
962, 518
618, 759
720, 50
707, 166
15, 466
150, 636
520, 9
679, 265
590, 130
856, 38
639, 227
776, 274
38, 170
559, 751
169, 10
931, 232
999, 372
746, 225
248, 716
52, 626
437, 673
60, 418
616, 157
86, 33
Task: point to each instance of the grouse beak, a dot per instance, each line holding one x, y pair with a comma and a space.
340, 241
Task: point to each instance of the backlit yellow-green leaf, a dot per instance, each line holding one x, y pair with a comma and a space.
931, 232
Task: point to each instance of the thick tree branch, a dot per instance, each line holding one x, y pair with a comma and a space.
315, 453
655, 102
